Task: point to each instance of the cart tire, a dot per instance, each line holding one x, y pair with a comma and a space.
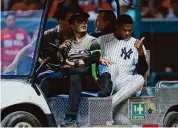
20, 119
171, 119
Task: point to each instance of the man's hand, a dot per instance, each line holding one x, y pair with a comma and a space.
105, 62
139, 45
11, 68
65, 45
69, 64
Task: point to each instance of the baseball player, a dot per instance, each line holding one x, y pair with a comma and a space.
125, 53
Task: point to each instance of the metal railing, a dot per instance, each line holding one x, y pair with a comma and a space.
167, 82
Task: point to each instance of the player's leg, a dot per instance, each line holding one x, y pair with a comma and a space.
127, 88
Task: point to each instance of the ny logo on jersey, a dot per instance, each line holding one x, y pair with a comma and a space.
127, 54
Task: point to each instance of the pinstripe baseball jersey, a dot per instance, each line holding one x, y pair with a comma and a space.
122, 53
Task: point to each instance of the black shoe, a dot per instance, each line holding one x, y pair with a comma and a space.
68, 122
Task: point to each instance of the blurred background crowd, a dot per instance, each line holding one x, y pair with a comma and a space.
149, 8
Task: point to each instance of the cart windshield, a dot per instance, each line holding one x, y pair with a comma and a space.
20, 27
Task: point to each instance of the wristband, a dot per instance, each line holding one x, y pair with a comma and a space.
76, 63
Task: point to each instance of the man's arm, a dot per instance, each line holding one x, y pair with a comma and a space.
25, 51
95, 50
142, 65
48, 37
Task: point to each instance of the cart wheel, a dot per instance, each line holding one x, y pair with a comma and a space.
171, 119
20, 119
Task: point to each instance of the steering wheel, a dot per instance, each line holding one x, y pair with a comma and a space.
59, 54
56, 59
